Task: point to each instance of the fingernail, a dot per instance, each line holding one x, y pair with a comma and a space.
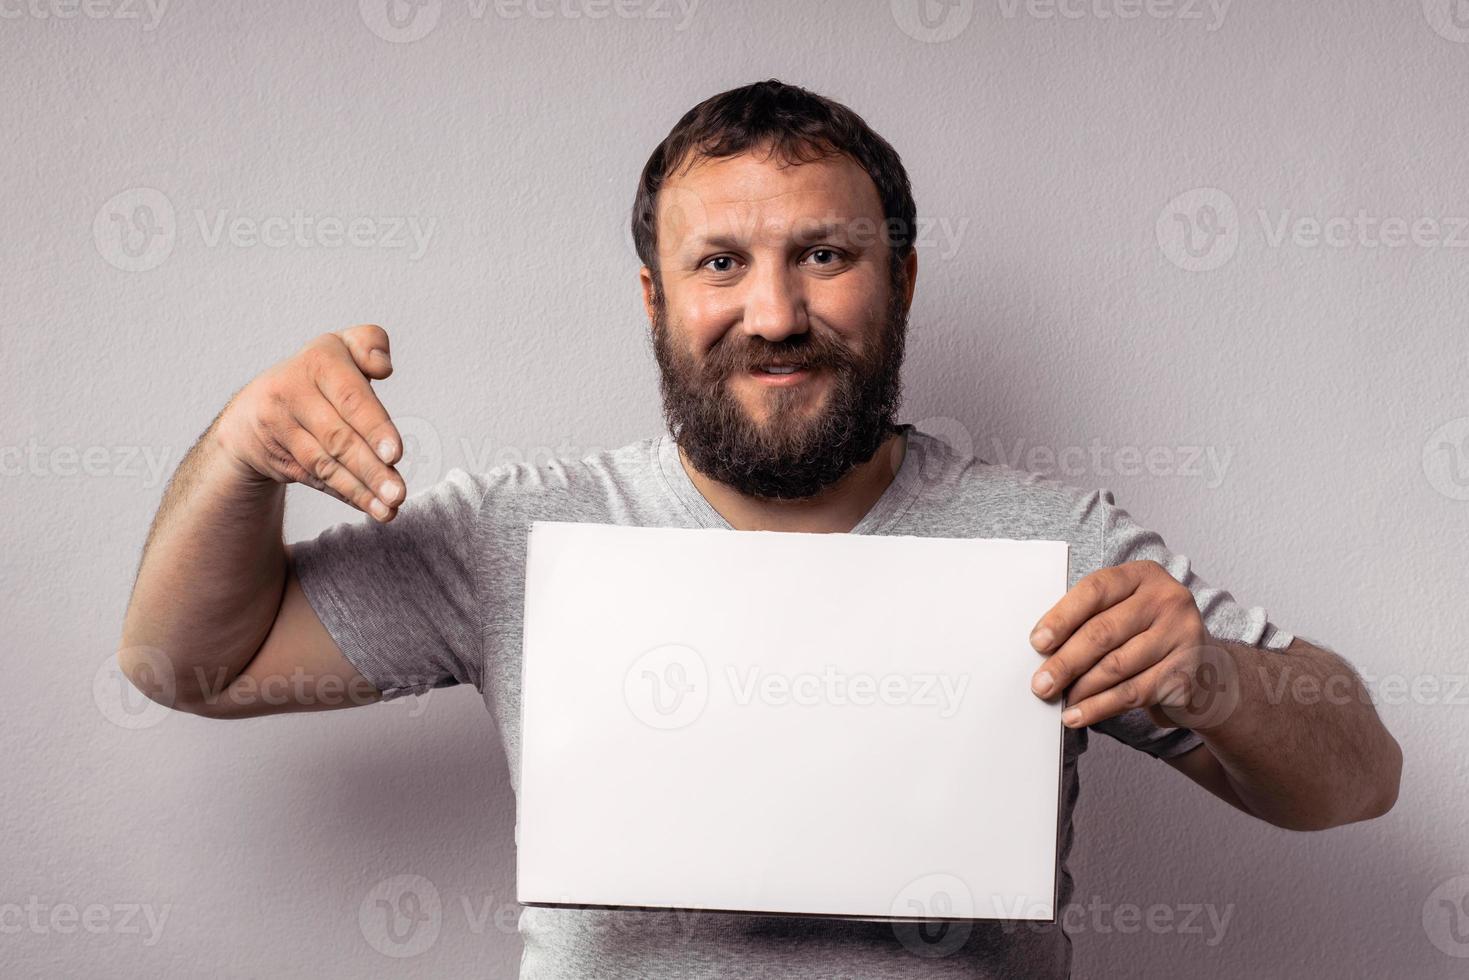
385, 450
388, 492
1041, 638
379, 359
1071, 716
378, 509
1042, 683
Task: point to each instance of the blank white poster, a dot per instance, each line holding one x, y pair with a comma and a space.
818, 724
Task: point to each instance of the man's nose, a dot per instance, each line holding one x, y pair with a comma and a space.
775, 307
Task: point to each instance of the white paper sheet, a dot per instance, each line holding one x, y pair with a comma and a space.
824, 724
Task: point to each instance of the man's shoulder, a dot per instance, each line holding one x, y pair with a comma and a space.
999, 498
590, 485
948, 463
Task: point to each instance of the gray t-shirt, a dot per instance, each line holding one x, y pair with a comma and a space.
435, 598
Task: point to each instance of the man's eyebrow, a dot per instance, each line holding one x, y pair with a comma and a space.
802, 233
722, 240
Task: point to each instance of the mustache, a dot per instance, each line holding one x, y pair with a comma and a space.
807, 350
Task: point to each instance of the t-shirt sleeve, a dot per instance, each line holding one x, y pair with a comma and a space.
1124, 540
401, 599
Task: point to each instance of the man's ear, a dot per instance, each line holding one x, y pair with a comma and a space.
650, 291
910, 276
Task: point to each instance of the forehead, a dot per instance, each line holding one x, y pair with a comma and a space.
756, 195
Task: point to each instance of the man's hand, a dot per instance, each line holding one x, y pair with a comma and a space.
1128, 636
314, 419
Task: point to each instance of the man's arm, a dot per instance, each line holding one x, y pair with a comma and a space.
217, 624
1130, 636
1304, 749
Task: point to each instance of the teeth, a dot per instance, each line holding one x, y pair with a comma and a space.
779, 370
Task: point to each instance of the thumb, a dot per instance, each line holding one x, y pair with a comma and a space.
368, 345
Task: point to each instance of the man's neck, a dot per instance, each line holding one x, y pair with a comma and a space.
838, 508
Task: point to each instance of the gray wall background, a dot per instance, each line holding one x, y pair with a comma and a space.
1060, 155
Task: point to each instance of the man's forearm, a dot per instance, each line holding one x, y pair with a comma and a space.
211, 577
1304, 747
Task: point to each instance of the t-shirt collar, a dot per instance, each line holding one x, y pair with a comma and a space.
891, 505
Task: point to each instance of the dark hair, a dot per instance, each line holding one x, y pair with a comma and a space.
800, 127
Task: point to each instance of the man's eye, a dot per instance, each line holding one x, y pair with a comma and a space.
721, 263
824, 256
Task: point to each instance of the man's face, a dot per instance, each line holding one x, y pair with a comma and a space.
778, 327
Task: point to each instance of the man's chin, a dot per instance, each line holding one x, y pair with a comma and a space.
766, 404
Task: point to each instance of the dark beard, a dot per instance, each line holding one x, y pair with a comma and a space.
789, 458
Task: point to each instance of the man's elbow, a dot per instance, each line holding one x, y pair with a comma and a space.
1377, 798
1390, 779
153, 674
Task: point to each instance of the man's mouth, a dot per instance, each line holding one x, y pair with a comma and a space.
780, 374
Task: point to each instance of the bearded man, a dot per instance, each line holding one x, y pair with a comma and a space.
775, 230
